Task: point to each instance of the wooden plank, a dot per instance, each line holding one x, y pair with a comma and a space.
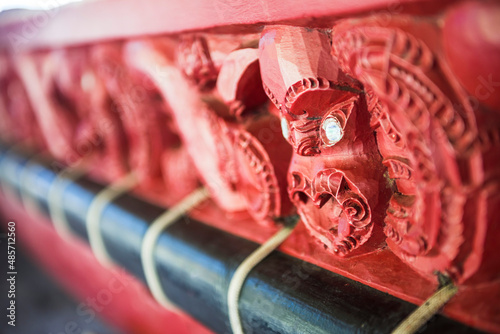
87, 22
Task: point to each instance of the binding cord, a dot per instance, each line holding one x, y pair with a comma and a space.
244, 269
151, 237
103, 198
25, 183
7, 190
427, 310
55, 197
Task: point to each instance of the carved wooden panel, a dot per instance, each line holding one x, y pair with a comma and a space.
336, 171
380, 129
427, 134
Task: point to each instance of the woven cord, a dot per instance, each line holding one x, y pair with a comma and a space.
427, 310
55, 197
244, 269
151, 237
96, 208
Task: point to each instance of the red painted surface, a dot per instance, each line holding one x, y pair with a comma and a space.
106, 292
336, 186
125, 19
16, 111
232, 161
409, 189
431, 139
470, 37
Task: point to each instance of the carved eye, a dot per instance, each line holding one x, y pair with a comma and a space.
331, 131
285, 130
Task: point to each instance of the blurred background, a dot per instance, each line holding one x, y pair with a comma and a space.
43, 307
33, 4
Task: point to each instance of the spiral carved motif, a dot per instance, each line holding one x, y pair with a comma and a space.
333, 209
336, 170
426, 133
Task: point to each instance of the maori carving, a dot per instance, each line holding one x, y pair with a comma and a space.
144, 122
231, 160
239, 83
107, 123
339, 216
140, 109
427, 134
381, 131
247, 166
72, 108
188, 112
18, 121
336, 172
196, 62
64, 89
377, 131
79, 91
37, 74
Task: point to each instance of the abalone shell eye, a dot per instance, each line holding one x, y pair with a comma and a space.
331, 131
285, 130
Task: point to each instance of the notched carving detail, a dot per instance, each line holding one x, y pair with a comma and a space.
334, 210
427, 133
309, 136
196, 62
323, 116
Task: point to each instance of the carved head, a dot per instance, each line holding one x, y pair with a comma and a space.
335, 172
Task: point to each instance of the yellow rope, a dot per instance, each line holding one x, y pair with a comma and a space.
244, 269
94, 213
56, 191
426, 311
151, 237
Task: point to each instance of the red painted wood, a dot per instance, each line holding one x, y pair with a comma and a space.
232, 162
239, 83
480, 45
432, 142
411, 182
337, 187
18, 119
125, 19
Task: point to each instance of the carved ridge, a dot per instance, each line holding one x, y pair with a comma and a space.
303, 86
260, 163
399, 74
333, 185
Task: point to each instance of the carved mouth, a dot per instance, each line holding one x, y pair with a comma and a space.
333, 210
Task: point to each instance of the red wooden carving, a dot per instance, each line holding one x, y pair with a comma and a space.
381, 131
140, 109
231, 158
239, 83
18, 122
336, 175
428, 135
37, 72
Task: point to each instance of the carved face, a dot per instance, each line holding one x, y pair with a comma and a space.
333, 209
312, 134
335, 173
